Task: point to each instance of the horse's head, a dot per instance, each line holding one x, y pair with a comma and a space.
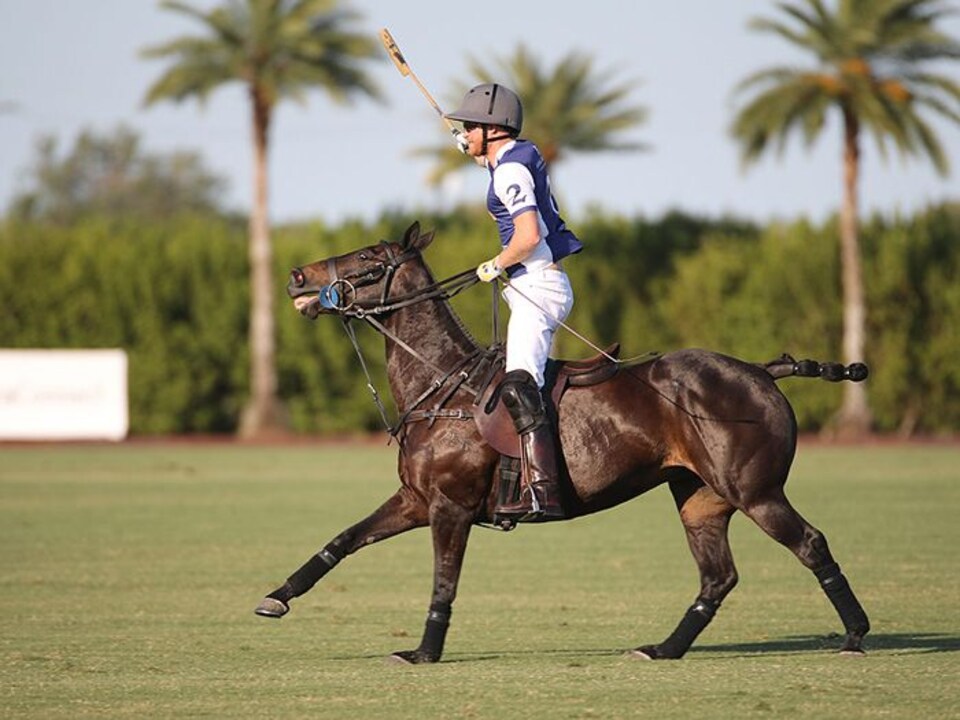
355, 281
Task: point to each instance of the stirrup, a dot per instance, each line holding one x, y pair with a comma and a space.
529, 507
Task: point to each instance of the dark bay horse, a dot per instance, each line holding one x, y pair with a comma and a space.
715, 429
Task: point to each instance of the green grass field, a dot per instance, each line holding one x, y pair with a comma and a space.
129, 574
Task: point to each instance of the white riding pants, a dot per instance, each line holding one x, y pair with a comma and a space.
546, 300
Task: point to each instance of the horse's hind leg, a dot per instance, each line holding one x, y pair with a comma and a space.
784, 524
403, 511
706, 517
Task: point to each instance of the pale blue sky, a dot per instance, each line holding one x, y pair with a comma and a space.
67, 65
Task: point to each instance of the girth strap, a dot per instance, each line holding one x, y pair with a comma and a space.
433, 415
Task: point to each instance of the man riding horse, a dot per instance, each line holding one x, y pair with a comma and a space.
534, 240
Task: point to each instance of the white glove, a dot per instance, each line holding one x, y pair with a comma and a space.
490, 270
461, 139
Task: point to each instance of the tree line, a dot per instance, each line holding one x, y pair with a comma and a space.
174, 294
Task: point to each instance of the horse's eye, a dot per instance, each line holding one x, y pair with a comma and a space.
362, 256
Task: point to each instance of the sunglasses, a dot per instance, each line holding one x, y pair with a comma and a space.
468, 126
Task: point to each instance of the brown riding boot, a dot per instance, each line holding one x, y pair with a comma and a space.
539, 492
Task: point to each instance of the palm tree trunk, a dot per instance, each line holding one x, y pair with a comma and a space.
854, 418
263, 413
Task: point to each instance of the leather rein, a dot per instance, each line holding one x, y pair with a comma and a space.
340, 297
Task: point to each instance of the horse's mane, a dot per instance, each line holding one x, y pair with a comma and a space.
456, 320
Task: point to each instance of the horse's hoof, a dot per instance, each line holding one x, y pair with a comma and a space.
647, 652
401, 658
853, 652
272, 608
853, 646
410, 657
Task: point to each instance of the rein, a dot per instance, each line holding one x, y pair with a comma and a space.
340, 296
561, 323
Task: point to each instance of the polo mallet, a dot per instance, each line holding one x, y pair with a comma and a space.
394, 52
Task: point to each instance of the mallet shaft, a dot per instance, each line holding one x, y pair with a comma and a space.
405, 70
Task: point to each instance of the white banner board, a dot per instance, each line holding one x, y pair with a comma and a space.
63, 395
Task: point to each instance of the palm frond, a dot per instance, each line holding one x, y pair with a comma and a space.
820, 31
770, 76
870, 53
772, 114
936, 103
931, 144
569, 107
283, 48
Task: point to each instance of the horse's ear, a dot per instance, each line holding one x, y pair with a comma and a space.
412, 238
424, 240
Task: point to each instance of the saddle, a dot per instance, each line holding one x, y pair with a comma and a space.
492, 419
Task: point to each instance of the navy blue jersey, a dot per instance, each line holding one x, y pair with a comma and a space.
519, 184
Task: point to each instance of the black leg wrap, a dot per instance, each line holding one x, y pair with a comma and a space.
435, 632
311, 572
283, 593
697, 617
838, 590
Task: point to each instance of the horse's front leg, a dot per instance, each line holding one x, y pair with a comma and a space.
450, 524
404, 511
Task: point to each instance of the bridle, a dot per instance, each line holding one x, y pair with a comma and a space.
339, 295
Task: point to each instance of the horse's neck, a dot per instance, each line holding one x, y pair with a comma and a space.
437, 335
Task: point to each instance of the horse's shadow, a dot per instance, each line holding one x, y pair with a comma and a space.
901, 643
905, 643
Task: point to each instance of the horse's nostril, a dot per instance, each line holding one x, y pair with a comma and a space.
297, 277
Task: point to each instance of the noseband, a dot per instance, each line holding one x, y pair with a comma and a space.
341, 292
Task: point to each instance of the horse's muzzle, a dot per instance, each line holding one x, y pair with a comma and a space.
308, 305
304, 294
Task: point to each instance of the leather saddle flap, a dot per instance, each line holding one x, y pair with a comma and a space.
496, 426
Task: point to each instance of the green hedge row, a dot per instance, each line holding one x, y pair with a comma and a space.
175, 296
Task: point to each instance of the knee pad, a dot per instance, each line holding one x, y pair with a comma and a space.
521, 396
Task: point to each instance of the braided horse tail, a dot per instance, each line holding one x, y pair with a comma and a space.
786, 366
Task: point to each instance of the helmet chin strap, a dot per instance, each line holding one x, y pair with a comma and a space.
487, 139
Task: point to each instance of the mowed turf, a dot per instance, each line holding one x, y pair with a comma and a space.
129, 574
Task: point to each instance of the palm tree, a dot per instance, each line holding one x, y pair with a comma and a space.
568, 109
872, 60
277, 49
